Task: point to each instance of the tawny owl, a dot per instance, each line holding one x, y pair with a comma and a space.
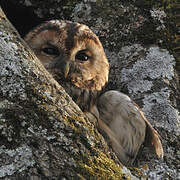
73, 54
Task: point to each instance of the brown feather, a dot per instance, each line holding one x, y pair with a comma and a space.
152, 139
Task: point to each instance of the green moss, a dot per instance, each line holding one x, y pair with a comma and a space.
138, 172
93, 164
101, 167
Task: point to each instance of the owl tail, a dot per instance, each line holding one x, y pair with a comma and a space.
152, 139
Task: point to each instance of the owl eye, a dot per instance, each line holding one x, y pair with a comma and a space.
51, 51
82, 56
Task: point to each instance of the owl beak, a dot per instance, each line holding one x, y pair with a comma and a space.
66, 69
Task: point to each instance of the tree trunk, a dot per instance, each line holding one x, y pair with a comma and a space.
44, 135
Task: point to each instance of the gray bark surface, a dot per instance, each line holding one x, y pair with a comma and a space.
44, 134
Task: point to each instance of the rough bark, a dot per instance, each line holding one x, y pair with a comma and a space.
44, 135
141, 39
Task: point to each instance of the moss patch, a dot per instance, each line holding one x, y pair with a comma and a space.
101, 168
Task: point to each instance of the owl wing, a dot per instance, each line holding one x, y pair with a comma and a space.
126, 126
152, 139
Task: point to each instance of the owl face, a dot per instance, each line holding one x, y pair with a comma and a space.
73, 54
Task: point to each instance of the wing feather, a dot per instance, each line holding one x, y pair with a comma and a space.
124, 123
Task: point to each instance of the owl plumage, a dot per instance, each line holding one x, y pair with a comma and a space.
126, 126
73, 54
75, 57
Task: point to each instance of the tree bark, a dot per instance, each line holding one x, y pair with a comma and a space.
44, 135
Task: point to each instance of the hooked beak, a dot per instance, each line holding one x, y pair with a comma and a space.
66, 69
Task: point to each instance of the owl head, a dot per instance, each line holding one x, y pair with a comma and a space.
74, 55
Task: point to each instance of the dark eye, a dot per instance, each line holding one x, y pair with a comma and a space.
82, 56
51, 51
